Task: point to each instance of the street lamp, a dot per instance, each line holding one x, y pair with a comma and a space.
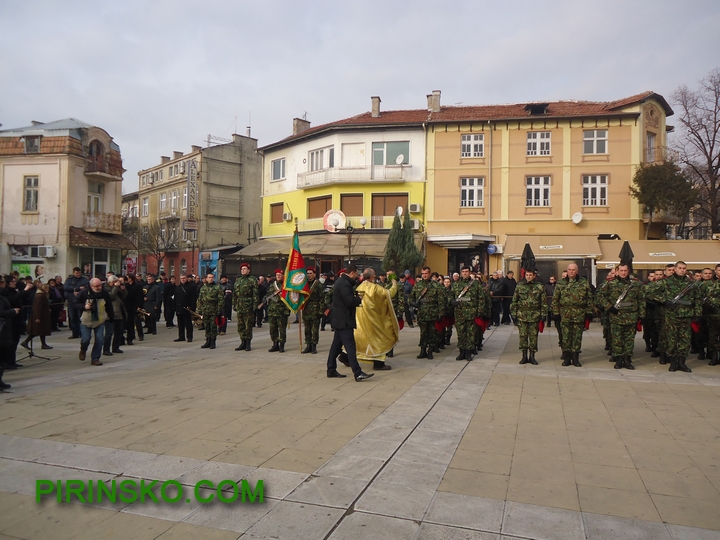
192, 259
349, 230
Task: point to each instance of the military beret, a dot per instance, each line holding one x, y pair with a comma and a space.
311, 269
279, 271
245, 265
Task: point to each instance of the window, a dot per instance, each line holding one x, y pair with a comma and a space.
174, 200
31, 194
183, 266
538, 143
318, 207
145, 234
595, 190
94, 197
175, 170
316, 160
388, 153
473, 145
172, 267
472, 192
595, 141
161, 174
163, 201
278, 169
184, 235
182, 167
145, 206
185, 192
276, 212
650, 149
163, 232
537, 191
351, 205
386, 205
32, 144
143, 180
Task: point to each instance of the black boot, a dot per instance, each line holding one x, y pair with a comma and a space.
423, 353
307, 349
566, 358
281, 346
681, 365
468, 356
673, 364
714, 359
461, 356
648, 347
576, 359
664, 359
435, 348
524, 359
3, 385
247, 345
313, 348
628, 362
207, 344
618, 361
391, 353
242, 346
447, 340
440, 345
654, 353
531, 359
702, 356
430, 353
275, 347
212, 343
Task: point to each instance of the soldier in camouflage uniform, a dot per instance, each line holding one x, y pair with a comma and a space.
428, 297
572, 304
711, 312
245, 300
604, 315
278, 313
660, 306
312, 312
210, 304
701, 338
680, 295
528, 308
623, 299
449, 311
465, 299
397, 297
484, 312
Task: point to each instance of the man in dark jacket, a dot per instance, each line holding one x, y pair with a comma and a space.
185, 298
7, 343
74, 285
169, 302
133, 301
549, 292
345, 301
96, 306
151, 303
496, 289
509, 285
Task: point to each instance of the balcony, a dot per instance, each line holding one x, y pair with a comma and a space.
102, 222
344, 175
169, 213
375, 222
100, 168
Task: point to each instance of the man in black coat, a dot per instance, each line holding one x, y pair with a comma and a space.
169, 302
185, 297
151, 303
345, 301
496, 289
509, 285
74, 285
133, 301
7, 343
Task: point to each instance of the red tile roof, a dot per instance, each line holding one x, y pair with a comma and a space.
82, 238
478, 113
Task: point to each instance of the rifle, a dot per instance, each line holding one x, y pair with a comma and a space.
682, 293
623, 294
195, 316
266, 300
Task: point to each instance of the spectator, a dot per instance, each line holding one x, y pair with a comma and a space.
7, 344
496, 289
151, 304
227, 308
549, 291
169, 302
114, 325
133, 302
509, 285
57, 300
96, 308
74, 286
39, 323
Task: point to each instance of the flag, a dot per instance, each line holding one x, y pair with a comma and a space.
295, 289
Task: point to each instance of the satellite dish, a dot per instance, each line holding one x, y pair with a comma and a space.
399, 211
331, 217
399, 160
577, 217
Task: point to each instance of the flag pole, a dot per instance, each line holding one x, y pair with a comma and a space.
300, 323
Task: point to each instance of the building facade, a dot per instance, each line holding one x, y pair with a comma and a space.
194, 205
61, 186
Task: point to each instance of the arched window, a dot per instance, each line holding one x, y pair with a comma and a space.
96, 157
172, 268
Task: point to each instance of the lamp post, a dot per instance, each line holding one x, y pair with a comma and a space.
192, 258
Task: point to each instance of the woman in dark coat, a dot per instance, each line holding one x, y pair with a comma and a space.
39, 323
57, 300
7, 343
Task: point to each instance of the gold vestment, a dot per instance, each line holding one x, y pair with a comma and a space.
377, 326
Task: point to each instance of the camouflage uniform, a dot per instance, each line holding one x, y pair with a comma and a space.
397, 297
528, 307
678, 316
604, 316
449, 314
484, 311
210, 304
245, 301
278, 314
623, 314
466, 309
430, 300
711, 312
312, 313
573, 301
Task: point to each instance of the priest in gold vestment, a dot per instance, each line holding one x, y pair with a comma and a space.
377, 326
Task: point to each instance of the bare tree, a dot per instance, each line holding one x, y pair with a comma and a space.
698, 143
157, 240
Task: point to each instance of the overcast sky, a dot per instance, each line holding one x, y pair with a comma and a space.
160, 76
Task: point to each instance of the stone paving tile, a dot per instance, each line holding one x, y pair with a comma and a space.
542, 523
328, 491
679, 532
617, 502
429, 531
230, 517
187, 531
360, 526
618, 528
293, 521
468, 512
395, 501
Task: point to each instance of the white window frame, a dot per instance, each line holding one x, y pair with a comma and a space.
595, 189
595, 141
650, 141
472, 192
537, 191
94, 198
146, 206
32, 144
316, 160
163, 201
174, 199
472, 145
31, 188
185, 198
281, 164
538, 143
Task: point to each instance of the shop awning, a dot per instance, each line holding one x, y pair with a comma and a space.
654, 254
460, 241
330, 244
81, 238
554, 247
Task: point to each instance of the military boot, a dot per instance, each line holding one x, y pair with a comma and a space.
313, 348
275, 347
654, 353
702, 356
673, 364
207, 344
242, 345
435, 348
247, 345
447, 340
663, 359
461, 356
618, 361
648, 346
628, 362
430, 353
576, 359
681, 365
566, 358
307, 349
468, 356
524, 359
423, 353
212, 343
440, 345
281, 346
714, 359
531, 358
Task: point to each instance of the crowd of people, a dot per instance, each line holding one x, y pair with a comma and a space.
677, 311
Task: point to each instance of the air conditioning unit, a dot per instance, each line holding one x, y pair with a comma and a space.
716, 236
414, 208
287, 216
415, 224
47, 252
498, 248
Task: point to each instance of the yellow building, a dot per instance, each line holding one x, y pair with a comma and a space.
556, 175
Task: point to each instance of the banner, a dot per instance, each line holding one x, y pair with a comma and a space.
295, 288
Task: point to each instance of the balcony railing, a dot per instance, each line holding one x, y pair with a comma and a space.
334, 175
102, 222
375, 222
101, 167
169, 213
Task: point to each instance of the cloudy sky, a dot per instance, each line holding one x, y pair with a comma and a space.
162, 75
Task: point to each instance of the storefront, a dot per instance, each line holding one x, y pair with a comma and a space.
96, 253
